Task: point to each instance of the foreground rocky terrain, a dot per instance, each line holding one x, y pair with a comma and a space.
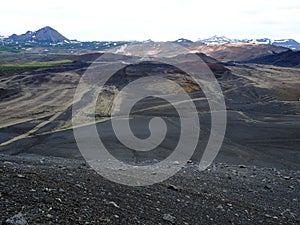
63, 191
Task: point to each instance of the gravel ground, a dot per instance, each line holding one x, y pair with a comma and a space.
48, 190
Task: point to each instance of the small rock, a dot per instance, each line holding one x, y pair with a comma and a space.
49, 216
173, 187
113, 204
20, 176
7, 163
219, 207
169, 218
17, 219
268, 187
288, 212
78, 185
49, 189
242, 166
287, 177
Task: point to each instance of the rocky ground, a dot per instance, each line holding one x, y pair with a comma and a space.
48, 190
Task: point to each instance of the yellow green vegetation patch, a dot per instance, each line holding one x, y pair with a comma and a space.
32, 65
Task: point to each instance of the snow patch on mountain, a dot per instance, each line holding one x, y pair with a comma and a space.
288, 43
2, 37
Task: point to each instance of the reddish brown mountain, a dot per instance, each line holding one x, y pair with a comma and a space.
237, 51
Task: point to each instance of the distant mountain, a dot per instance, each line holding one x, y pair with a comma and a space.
221, 40
266, 41
287, 59
288, 43
183, 42
45, 34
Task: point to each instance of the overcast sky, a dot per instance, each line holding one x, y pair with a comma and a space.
159, 20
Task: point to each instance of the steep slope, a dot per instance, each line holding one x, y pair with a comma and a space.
216, 66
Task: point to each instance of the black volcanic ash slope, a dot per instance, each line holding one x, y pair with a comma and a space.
285, 59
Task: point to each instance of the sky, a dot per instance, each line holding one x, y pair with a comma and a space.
159, 20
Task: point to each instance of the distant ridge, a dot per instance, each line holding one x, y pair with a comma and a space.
45, 34
288, 43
